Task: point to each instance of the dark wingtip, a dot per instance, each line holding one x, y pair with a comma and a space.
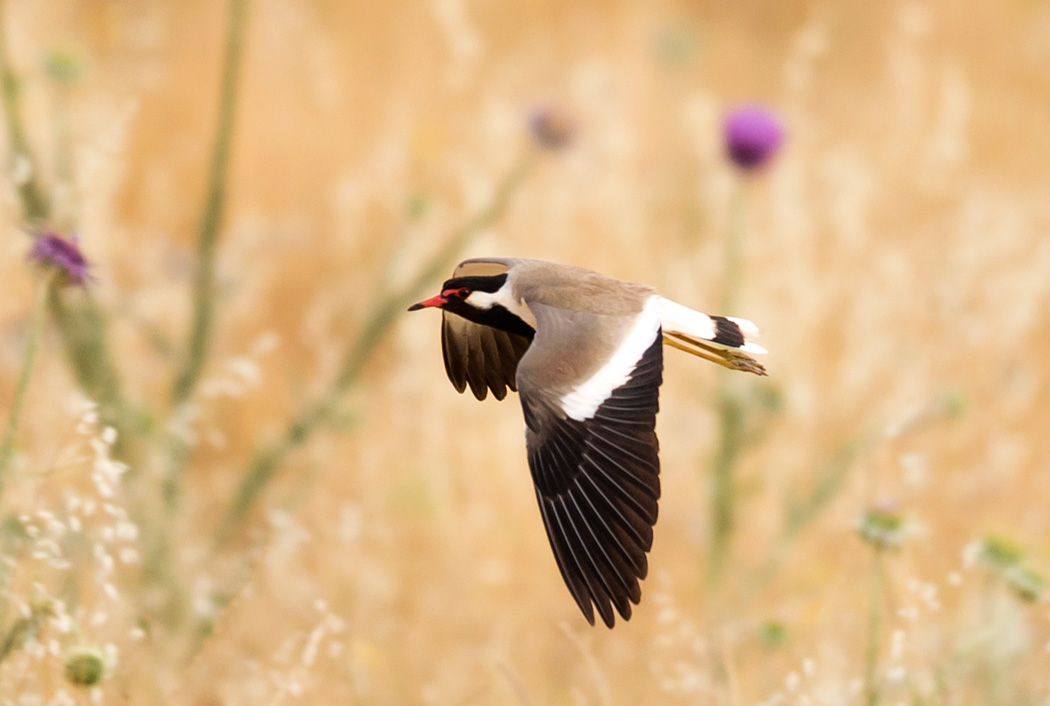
727, 332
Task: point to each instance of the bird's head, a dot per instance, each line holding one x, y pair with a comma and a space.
484, 300
458, 294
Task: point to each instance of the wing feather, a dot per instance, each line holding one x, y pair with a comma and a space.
607, 569
566, 562
456, 354
582, 560
479, 356
597, 483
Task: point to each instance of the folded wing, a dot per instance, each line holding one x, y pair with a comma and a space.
476, 355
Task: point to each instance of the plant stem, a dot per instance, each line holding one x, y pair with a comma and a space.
990, 667
204, 283
63, 195
384, 314
871, 658
83, 327
722, 483
800, 514
22, 629
730, 406
733, 280
36, 328
34, 203
158, 565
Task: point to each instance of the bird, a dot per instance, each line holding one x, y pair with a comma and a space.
584, 352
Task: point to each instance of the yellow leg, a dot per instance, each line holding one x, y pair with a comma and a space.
727, 358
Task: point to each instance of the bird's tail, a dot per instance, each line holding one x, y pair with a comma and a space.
725, 340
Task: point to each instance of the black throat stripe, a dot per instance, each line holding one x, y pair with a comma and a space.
496, 316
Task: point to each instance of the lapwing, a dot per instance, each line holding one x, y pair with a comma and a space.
584, 351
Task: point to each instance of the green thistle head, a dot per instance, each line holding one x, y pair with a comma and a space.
882, 526
85, 665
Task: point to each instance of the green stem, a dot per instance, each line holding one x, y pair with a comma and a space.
159, 565
733, 280
871, 658
63, 210
204, 283
23, 629
830, 480
34, 203
7, 445
990, 667
723, 516
731, 408
384, 314
800, 514
83, 327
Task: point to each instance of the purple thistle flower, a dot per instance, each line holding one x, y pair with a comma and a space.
52, 250
753, 134
552, 128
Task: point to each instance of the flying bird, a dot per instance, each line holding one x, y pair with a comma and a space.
584, 351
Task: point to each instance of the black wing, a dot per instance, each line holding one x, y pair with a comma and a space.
597, 483
480, 356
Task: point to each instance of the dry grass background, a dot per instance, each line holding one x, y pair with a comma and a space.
897, 258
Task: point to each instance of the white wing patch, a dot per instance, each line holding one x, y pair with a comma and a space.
585, 399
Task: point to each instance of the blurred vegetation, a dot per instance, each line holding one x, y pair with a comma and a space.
232, 472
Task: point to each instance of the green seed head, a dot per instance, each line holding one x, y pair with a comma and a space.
999, 553
85, 665
1028, 585
772, 634
882, 526
63, 66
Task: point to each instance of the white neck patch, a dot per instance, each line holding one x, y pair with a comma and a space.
503, 297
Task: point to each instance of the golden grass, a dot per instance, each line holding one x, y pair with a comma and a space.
897, 258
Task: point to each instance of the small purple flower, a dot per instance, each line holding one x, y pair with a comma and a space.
54, 251
753, 134
551, 127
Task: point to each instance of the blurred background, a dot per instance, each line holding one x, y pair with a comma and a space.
293, 505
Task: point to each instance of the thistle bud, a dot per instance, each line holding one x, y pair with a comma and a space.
772, 634
1028, 585
85, 665
882, 526
51, 250
753, 135
552, 128
999, 553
